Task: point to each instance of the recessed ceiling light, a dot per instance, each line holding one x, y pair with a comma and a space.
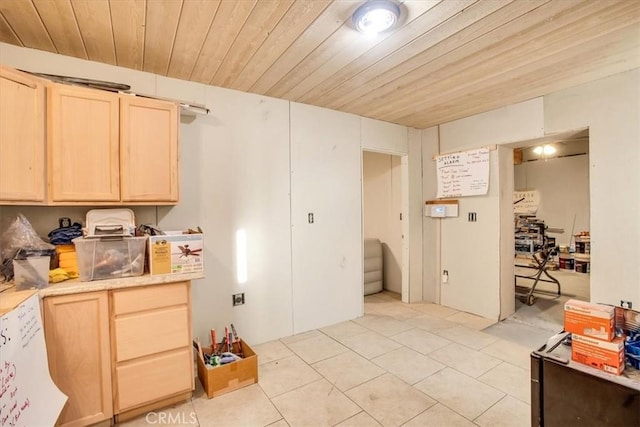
376, 16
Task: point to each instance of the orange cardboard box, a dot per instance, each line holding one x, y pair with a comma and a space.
232, 376
590, 320
603, 355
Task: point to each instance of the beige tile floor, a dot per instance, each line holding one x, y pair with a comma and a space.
398, 365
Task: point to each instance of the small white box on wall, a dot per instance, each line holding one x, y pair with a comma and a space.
441, 208
438, 210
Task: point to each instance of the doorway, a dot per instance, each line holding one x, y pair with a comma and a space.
384, 217
553, 175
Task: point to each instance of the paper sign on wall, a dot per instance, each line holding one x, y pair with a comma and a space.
28, 396
463, 174
526, 202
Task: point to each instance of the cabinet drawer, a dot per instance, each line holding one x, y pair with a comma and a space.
150, 297
151, 332
144, 381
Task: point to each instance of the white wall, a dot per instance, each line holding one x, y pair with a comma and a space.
563, 184
610, 108
260, 164
471, 251
381, 212
327, 255
376, 187
430, 146
507, 232
415, 219
392, 247
384, 137
243, 184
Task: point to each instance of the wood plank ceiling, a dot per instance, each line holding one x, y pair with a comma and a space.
445, 60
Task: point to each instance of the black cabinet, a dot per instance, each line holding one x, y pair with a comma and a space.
570, 395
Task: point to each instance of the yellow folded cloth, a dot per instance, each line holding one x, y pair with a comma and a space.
73, 273
60, 274
57, 275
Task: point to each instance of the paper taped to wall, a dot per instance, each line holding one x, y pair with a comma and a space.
526, 201
463, 174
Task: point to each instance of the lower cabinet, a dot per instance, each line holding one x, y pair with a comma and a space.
120, 352
151, 343
76, 329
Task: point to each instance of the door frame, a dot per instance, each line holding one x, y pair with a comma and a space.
506, 284
404, 209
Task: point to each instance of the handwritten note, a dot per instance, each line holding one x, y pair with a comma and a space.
463, 174
28, 396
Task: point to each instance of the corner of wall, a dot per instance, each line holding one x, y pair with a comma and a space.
430, 146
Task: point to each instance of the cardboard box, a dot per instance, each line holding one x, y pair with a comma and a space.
591, 320
176, 253
603, 355
222, 379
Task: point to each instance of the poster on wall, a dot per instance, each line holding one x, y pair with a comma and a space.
526, 201
28, 396
463, 174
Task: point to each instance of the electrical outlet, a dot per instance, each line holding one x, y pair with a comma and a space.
626, 304
445, 276
238, 299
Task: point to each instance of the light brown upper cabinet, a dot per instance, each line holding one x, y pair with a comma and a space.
99, 148
22, 137
111, 148
149, 150
83, 143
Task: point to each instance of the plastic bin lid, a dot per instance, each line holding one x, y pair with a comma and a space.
110, 223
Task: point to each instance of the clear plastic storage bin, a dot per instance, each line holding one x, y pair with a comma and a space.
32, 272
100, 258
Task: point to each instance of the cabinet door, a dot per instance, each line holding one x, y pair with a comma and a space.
149, 150
22, 138
78, 347
83, 145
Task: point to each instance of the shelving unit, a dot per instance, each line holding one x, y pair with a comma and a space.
531, 239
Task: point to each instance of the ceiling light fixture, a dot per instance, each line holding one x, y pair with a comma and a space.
376, 16
547, 150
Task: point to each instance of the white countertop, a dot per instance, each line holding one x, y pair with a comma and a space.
75, 286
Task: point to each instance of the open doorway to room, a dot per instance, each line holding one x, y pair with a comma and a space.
384, 202
552, 218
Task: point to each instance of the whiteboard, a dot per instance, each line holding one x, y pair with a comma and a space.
28, 396
463, 174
